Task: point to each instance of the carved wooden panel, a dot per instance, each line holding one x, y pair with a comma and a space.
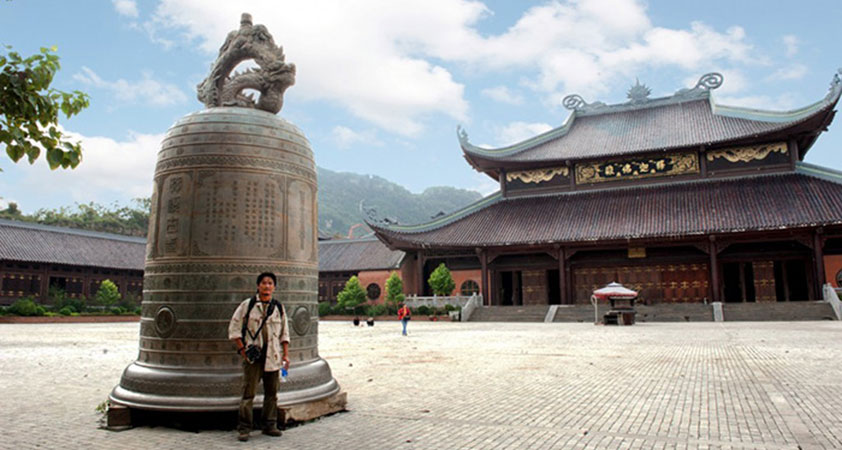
534, 287
656, 283
764, 281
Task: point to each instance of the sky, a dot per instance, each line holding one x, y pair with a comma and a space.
382, 85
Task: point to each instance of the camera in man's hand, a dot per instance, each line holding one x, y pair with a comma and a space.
253, 353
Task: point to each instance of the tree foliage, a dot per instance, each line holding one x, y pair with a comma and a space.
352, 295
29, 109
108, 294
394, 289
126, 220
441, 281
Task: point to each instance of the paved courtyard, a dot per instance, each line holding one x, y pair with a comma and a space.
477, 386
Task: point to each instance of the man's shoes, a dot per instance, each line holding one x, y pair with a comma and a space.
272, 431
243, 436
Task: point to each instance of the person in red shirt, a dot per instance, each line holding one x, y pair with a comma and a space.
404, 314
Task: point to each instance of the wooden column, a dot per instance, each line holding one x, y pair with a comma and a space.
503, 181
421, 261
715, 288
793, 153
562, 277
818, 265
742, 269
486, 293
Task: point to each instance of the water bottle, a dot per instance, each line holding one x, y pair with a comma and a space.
283, 374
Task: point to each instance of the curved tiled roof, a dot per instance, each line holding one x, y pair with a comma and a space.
811, 196
658, 124
22, 241
353, 255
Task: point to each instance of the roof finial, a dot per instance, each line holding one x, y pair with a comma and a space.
710, 81
573, 102
638, 93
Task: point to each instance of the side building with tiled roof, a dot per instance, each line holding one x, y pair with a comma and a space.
35, 257
679, 197
367, 258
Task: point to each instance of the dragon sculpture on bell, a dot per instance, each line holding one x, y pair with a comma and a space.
270, 79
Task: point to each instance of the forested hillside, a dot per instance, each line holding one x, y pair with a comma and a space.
340, 194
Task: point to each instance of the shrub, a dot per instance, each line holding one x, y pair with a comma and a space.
324, 309
352, 296
440, 281
391, 309
394, 289
423, 310
75, 304
138, 311
108, 294
376, 310
26, 306
66, 311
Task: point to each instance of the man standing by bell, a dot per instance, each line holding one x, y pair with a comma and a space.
259, 329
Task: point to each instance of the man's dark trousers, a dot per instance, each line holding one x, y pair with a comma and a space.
252, 373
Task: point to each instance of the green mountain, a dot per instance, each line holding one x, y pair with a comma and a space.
340, 194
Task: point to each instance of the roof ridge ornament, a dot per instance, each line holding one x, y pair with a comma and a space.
706, 83
638, 93
271, 78
371, 216
575, 102
835, 81
462, 135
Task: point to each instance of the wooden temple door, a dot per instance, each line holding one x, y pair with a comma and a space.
656, 283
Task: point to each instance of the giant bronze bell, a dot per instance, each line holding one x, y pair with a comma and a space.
234, 195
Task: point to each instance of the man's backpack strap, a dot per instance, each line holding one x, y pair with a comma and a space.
269, 313
252, 302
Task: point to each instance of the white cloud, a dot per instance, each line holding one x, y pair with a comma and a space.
126, 8
345, 137
109, 170
791, 44
794, 72
382, 61
502, 94
783, 102
355, 54
518, 131
147, 90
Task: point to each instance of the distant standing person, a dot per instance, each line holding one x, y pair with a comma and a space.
404, 314
259, 329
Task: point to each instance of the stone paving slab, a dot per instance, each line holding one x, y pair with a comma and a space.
747, 385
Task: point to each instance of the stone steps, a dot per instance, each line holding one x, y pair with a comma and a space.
780, 311
510, 313
677, 312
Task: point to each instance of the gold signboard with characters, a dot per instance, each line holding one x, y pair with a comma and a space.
637, 252
633, 169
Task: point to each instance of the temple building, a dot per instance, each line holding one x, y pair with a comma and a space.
35, 258
680, 198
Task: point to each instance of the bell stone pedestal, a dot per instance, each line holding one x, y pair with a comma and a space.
234, 195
